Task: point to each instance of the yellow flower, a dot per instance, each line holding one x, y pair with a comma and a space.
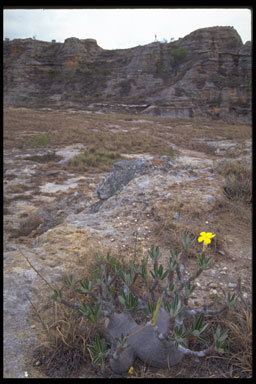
206, 238
131, 370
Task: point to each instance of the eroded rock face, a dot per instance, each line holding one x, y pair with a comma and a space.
213, 80
125, 171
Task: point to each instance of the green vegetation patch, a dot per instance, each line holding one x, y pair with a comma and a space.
94, 158
179, 55
41, 141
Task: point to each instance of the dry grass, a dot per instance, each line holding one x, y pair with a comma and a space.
27, 225
239, 324
238, 178
64, 342
94, 159
24, 127
19, 188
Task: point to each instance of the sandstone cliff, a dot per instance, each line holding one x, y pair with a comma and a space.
205, 74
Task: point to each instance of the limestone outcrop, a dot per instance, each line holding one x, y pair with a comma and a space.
205, 74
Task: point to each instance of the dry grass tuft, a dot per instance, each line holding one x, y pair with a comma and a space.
27, 226
95, 159
18, 188
239, 353
63, 349
238, 180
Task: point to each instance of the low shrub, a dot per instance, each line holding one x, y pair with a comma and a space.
41, 141
154, 323
238, 179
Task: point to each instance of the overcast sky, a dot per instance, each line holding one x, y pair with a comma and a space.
121, 28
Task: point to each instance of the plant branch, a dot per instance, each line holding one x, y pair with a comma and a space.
193, 312
37, 272
202, 353
198, 272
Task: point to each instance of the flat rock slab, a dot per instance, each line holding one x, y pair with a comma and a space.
124, 171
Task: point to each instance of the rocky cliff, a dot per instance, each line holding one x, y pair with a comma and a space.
205, 74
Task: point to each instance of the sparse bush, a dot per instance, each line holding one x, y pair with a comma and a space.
94, 158
238, 180
97, 94
171, 152
155, 323
41, 141
84, 69
51, 70
178, 55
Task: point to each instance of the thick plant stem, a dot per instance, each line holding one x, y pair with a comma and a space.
203, 353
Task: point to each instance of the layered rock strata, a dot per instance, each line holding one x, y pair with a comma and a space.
205, 74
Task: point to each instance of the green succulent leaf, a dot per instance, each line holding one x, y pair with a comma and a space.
203, 261
158, 272
189, 290
99, 351
86, 286
129, 302
231, 300
91, 312
175, 307
155, 253
203, 339
220, 338
187, 242
174, 260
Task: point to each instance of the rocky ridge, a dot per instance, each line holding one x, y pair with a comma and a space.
212, 79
